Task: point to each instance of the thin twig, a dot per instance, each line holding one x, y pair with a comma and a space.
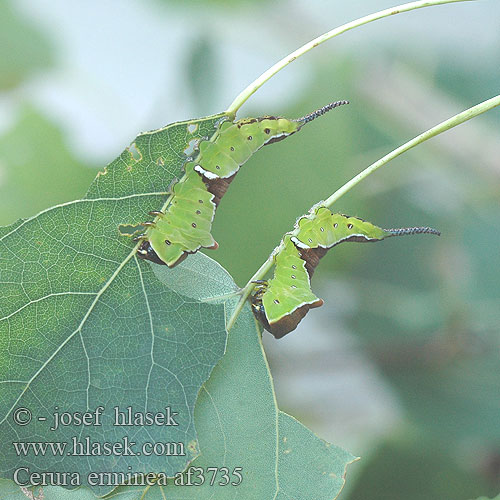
419, 139
255, 85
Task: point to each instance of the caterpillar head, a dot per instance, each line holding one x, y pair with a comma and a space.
274, 129
281, 303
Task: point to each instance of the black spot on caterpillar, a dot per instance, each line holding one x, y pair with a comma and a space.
281, 303
186, 220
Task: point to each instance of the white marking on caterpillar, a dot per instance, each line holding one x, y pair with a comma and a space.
299, 243
206, 173
274, 138
348, 237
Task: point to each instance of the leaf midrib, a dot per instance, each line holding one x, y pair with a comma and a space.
98, 294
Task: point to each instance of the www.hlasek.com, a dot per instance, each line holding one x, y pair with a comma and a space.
192, 476
87, 448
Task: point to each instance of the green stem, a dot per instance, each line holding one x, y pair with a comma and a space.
254, 86
245, 292
438, 129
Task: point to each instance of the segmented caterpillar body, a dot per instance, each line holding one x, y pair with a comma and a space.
184, 225
281, 303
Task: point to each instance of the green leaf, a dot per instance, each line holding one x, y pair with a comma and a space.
11, 491
84, 323
239, 425
308, 466
198, 277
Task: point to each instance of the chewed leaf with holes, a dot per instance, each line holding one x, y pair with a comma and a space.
84, 323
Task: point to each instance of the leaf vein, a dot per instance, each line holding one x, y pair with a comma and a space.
152, 332
44, 298
84, 200
71, 335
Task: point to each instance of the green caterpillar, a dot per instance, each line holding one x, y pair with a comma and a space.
281, 303
183, 226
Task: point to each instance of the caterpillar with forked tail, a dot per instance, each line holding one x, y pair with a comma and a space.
281, 303
183, 226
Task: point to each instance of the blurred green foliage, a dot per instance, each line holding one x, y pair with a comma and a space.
200, 64
23, 48
419, 468
37, 169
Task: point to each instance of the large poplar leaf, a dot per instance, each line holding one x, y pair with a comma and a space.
11, 491
239, 426
84, 323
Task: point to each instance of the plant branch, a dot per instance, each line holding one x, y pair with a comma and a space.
247, 290
438, 129
267, 75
